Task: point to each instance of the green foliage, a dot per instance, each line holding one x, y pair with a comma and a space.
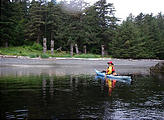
33, 55
87, 56
44, 56
37, 46
20, 51
36, 21
12, 23
138, 38
60, 54
31, 51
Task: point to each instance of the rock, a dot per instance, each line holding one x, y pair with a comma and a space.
158, 67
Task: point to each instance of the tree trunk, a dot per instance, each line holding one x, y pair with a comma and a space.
44, 45
71, 49
84, 49
38, 37
52, 47
102, 50
6, 44
77, 50
52, 35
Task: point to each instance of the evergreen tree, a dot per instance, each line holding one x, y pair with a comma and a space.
91, 29
124, 45
53, 21
143, 52
19, 18
107, 20
160, 43
5, 22
36, 21
12, 22
72, 28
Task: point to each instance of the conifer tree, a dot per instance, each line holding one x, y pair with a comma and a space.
91, 29
12, 22
53, 20
107, 23
160, 45
36, 21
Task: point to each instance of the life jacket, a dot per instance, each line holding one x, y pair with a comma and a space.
110, 69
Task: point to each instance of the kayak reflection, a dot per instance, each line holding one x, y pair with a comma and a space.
111, 83
127, 81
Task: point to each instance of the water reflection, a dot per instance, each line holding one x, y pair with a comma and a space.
48, 96
48, 86
60, 70
111, 84
44, 86
51, 86
17, 114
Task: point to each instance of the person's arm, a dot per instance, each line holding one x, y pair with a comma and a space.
113, 70
106, 73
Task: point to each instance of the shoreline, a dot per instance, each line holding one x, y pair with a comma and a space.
72, 66
71, 58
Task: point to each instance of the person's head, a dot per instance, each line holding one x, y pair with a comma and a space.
110, 63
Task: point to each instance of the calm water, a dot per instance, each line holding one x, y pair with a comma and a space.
80, 96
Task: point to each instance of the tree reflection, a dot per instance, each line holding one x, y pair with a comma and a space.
51, 86
47, 85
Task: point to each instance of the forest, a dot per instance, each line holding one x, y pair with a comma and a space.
25, 22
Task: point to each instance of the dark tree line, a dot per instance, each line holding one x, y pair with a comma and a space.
24, 23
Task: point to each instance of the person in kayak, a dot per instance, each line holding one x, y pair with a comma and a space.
110, 70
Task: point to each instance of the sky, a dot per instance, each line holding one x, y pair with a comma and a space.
125, 7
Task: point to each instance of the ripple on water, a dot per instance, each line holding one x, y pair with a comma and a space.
17, 114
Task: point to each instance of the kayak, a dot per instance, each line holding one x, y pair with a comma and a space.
102, 74
119, 80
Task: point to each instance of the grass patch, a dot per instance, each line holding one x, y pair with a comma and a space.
61, 54
35, 51
31, 51
37, 46
33, 55
19, 51
44, 56
87, 56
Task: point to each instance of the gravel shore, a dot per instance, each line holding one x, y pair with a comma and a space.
67, 66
